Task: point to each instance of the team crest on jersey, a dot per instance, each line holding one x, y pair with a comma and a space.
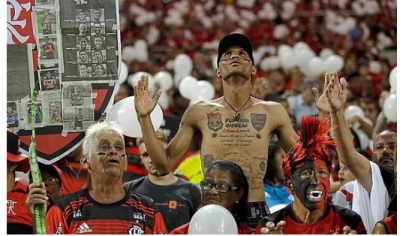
10, 207
258, 120
135, 230
215, 121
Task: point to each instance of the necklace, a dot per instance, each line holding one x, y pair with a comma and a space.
236, 115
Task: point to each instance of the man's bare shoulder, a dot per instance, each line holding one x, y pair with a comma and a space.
269, 105
195, 111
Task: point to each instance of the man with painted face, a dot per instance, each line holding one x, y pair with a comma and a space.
307, 167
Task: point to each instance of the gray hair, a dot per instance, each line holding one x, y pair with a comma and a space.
96, 129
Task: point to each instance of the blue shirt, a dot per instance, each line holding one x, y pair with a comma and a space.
275, 195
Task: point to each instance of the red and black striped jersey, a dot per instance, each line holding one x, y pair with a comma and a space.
333, 220
18, 219
78, 213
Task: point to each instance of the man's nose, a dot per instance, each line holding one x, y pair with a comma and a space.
314, 179
234, 55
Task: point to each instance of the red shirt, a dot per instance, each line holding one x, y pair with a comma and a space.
17, 212
333, 219
78, 213
184, 229
390, 224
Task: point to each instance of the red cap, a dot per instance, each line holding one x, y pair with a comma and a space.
13, 153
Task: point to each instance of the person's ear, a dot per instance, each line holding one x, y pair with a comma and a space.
239, 195
253, 70
218, 73
85, 162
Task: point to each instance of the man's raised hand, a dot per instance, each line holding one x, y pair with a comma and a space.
144, 104
336, 92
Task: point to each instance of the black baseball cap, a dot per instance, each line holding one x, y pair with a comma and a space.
235, 39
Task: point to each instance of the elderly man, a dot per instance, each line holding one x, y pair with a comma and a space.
104, 207
307, 168
375, 185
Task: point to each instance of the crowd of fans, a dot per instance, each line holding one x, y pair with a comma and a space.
361, 32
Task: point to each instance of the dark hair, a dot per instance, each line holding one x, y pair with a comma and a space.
239, 210
271, 168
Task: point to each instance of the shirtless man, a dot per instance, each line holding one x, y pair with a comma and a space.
236, 127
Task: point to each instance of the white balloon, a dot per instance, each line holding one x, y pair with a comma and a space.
134, 79
316, 66
141, 55
164, 80
284, 48
287, 59
214, 61
334, 63
352, 111
183, 65
325, 53
375, 67
393, 79
163, 101
300, 45
123, 73
363, 137
140, 45
304, 55
188, 88
212, 219
207, 90
390, 107
125, 114
128, 53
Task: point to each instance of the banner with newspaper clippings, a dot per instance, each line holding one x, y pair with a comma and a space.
72, 48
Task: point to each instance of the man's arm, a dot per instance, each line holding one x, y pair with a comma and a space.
164, 160
285, 132
357, 164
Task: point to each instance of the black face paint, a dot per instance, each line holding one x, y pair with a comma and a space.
301, 186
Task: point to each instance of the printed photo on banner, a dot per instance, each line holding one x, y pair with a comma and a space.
39, 113
98, 43
82, 16
48, 48
55, 112
45, 2
100, 70
83, 29
83, 43
83, 56
77, 94
99, 56
49, 80
97, 15
77, 119
98, 29
12, 115
46, 21
85, 71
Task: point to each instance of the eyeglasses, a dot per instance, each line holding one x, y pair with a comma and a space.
51, 180
222, 188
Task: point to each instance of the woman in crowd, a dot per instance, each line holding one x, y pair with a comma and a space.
276, 193
226, 185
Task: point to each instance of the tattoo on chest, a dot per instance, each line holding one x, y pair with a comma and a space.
258, 121
208, 159
214, 121
262, 165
